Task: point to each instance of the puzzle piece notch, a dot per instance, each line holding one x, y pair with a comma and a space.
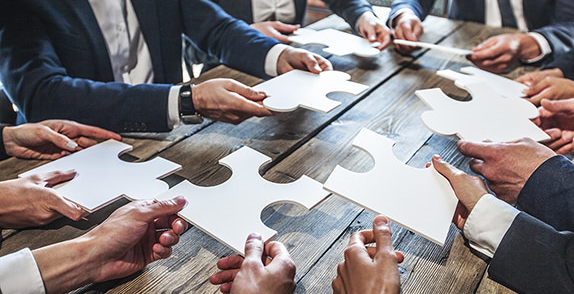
337, 42
472, 75
299, 88
420, 200
231, 211
488, 116
103, 177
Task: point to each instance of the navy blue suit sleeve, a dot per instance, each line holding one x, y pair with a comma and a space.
421, 8
560, 36
36, 80
349, 10
549, 193
533, 257
233, 41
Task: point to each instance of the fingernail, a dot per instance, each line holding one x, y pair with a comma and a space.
261, 93
255, 236
72, 145
380, 221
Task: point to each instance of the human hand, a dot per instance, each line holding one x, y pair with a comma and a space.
276, 30
551, 88
369, 270
407, 27
122, 245
468, 189
373, 29
499, 53
228, 101
532, 78
266, 269
293, 58
557, 120
506, 166
30, 201
51, 139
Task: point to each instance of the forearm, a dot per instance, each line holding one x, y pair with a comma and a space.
65, 266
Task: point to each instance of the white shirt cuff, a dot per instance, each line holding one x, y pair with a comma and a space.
272, 58
487, 224
19, 273
392, 17
173, 107
543, 44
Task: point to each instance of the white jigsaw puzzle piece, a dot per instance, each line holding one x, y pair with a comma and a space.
103, 177
472, 75
488, 116
231, 211
339, 43
420, 200
299, 88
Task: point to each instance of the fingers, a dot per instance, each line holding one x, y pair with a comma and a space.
281, 260
57, 139
230, 262
158, 209
311, 63
244, 91
254, 249
161, 252
75, 129
285, 28
474, 149
566, 105
324, 64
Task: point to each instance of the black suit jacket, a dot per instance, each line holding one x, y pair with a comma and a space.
536, 254
554, 19
54, 61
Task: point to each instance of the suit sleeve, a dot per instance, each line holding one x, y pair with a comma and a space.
549, 193
3, 154
233, 41
533, 257
35, 78
421, 8
349, 10
560, 36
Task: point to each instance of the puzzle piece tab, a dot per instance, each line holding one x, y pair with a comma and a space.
488, 116
503, 86
231, 211
420, 200
300, 88
339, 43
103, 177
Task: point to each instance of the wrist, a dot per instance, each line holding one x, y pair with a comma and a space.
67, 265
7, 133
529, 48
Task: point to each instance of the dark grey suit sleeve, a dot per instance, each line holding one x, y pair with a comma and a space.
350, 10
421, 8
549, 193
533, 257
561, 39
3, 154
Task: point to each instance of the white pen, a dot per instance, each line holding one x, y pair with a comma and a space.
434, 46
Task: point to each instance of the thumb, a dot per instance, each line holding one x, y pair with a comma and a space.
66, 207
58, 139
566, 105
382, 234
254, 247
163, 208
56, 177
444, 168
285, 28
246, 91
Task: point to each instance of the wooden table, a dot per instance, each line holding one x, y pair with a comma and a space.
310, 143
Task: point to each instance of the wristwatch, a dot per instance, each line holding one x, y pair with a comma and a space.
187, 113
